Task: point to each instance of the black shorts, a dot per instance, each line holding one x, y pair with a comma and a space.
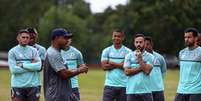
140, 97
114, 93
26, 94
158, 96
187, 97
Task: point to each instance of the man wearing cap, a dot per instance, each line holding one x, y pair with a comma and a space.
73, 59
33, 42
57, 85
24, 64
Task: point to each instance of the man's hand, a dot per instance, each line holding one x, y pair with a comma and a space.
139, 55
33, 61
83, 68
19, 65
127, 71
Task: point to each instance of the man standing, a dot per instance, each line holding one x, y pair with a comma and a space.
73, 59
112, 61
33, 42
57, 86
189, 88
24, 64
138, 65
158, 72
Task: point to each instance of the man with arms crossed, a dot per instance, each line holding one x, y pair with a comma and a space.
189, 88
57, 85
24, 64
138, 65
158, 72
73, 59
112, 61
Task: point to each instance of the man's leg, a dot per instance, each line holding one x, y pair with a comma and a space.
181, 97
33, 93
122, 94
146, 97
17, 94
195, 97
108, 93
158, 96
132, 97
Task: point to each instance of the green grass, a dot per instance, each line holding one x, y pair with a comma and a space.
91, 85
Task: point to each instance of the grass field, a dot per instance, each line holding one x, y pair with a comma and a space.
91, 85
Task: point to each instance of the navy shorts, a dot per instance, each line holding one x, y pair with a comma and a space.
187, 97
140, 97
158, 96
26, 94
114, 93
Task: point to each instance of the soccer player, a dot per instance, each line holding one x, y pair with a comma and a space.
158, 72
112, 61
73, 59
24, 64
138, 65
57, 85
33, 42
189, 87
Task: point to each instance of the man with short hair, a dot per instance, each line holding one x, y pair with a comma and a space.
158, 72
24, 64
33, 42
73, 59
57, 86
189, 87
138, 65
112, 61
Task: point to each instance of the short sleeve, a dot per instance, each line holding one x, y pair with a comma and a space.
105, 54
151, 60
80, 58
56, 61
127, 62
42, 53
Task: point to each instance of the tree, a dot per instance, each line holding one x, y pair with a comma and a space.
17, 14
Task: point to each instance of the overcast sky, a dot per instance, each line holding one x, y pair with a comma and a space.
100, 5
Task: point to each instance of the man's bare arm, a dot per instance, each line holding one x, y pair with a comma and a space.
106, 65
132, 71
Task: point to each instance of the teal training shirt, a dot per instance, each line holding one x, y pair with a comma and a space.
41, 51
28, 76
162, 61
72, 59
138, 83
115, 77
190, 71
55, 87
156, 73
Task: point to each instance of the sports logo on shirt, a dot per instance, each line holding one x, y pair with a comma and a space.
122, 54
71, 55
